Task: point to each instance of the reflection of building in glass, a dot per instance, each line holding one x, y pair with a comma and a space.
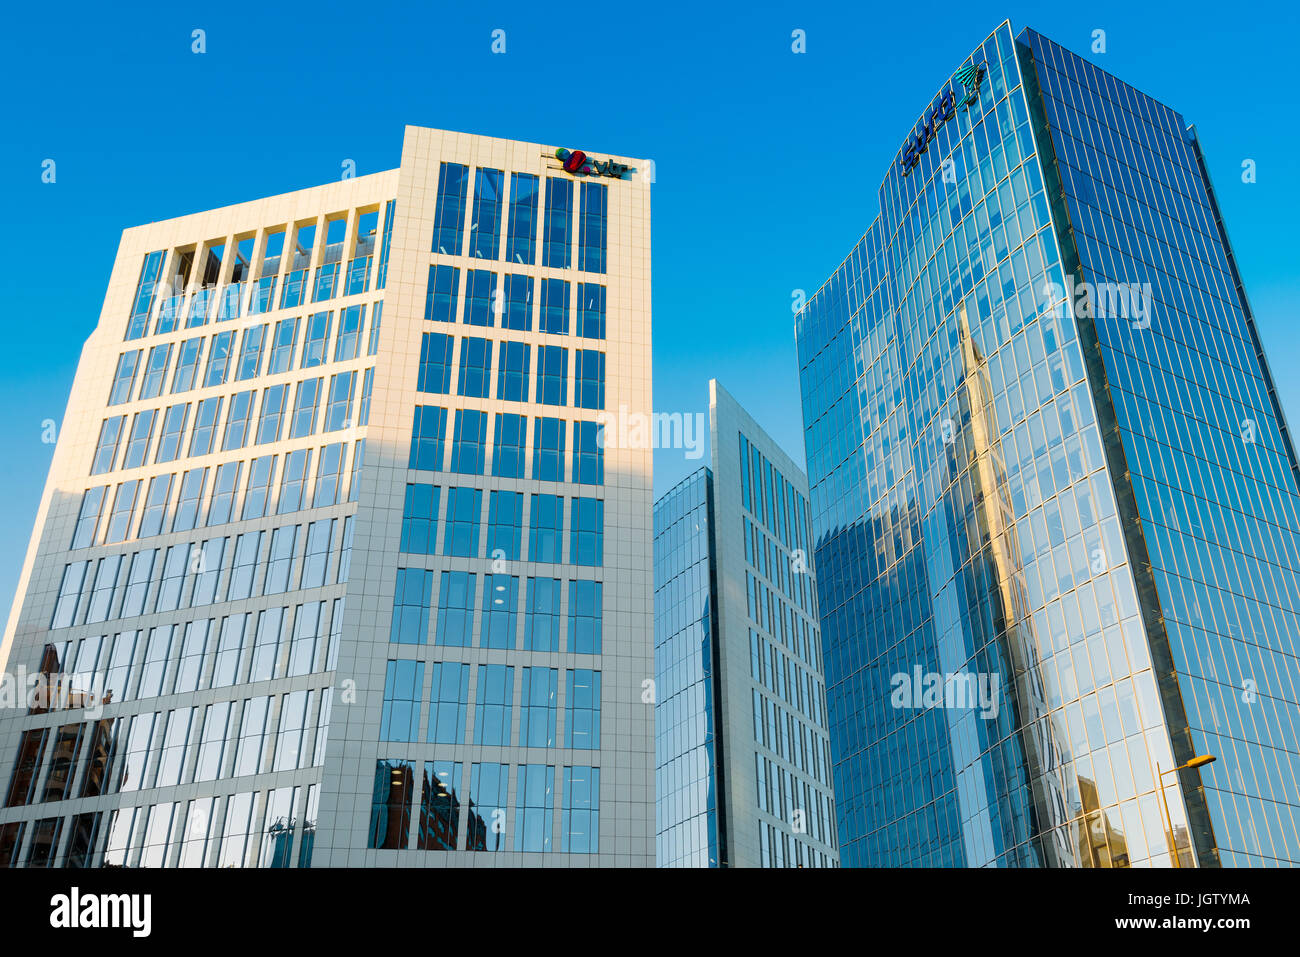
351, 430
1044, 448
741, 750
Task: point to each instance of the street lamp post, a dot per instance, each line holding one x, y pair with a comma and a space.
1196, 762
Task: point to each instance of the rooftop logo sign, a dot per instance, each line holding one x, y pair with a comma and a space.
580, 164
916, 144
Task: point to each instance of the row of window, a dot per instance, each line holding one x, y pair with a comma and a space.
791, 573
488, 827
469, 449
278, 418
241, 295
796, 686
264, 734
473, 371
774, 615
494, 702
770, 498
505, 527
222, 832
786, 736
489, 203
261, 351
507, 300
192, 574
168, 503
499, 622
794, 802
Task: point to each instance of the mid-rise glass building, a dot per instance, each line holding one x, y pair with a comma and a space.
742, 757
332, 566
1053, 494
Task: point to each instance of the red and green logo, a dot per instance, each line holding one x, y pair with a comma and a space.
580, 164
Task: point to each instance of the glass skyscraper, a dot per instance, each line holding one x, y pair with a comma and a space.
742, 757
333, 567
1053, 495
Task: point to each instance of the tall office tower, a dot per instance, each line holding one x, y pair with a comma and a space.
1053, 493
742, 756
321, 589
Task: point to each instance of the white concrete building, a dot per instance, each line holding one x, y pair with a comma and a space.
332, 565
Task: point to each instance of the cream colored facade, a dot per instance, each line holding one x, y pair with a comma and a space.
301, 752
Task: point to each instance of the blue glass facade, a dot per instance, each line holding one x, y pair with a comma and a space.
1023, 492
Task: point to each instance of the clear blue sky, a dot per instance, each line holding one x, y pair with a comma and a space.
767, 161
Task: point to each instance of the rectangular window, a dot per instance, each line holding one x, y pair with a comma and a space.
580, 813
508, 445
435, 363
456, 609
212, 741
448, 703
124, 377
137, 446
272, 414
329, 475
505, 524
205, 425
138, 578
440, 806
512, 371
487, 819
338, 410
542, 615
519, 304
557, 235
589, 379
320, 536
367, 385
521, 242
481, 304
250, 353
282, 346
145, 287
552, 375
268, 639
92, 505
154, 518
376, 322
587, 539
241, 411
381, 273
248, 548
588, 453
218, 360
403, 691
585, 606
475, 367
154, 670
106, 448
187, 504
27, 765
463, 510
345, 552
449, 216
173, 427
280, 559
390, 806
100, 605
348, 344
207, 571
305, 405
555, 307
441, 295
261, 473
194, 646
534, 807
155, 371
500, 607
548, 449
593, 227
495, 698
119, 519
293, 288
187, 365
428, 436
420, 519
469, 442
545, 526
582, 722
591, 310
412, 599
315, 339
485, 223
